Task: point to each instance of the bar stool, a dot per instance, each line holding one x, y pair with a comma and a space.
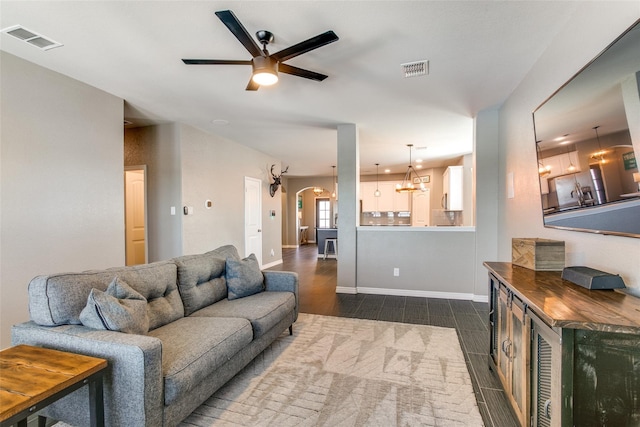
334, 242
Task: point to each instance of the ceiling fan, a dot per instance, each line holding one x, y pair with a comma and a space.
265, 65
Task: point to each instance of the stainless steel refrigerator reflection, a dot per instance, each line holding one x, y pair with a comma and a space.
573, 190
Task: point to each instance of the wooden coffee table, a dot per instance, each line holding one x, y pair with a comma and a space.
34, 377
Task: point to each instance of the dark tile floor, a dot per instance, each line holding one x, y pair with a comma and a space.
318, 296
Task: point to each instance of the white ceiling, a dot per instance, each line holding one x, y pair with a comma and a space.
478, 52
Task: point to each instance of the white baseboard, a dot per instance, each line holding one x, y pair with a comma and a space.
289, 246
346, 290
481, 298
423, 294
271, 264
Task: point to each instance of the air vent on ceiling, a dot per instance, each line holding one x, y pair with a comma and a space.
415, 69
28, 36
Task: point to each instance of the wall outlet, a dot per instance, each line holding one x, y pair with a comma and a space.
396, 271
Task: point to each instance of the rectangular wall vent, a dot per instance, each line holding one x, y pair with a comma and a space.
415, 69
33, 38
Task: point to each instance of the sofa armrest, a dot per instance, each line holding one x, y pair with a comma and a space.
282, 281
133, 385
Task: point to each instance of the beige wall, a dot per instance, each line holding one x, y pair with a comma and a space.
62, 181
157, 147
213, 168
589, 30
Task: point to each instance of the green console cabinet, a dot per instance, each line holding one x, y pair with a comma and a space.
565, 355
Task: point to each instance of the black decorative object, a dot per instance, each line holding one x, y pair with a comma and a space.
591, 278
276, 181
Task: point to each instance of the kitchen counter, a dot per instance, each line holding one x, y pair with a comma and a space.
321, 235
408, 228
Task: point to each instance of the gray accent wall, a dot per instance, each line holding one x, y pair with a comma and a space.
592, 27
487, 159
348, 205
62, 181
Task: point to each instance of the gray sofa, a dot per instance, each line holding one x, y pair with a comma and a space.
197, 336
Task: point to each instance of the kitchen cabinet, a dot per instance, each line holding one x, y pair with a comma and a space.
420, 202
401, 201
512, 328
561, 163
452, 189
369, 201
389, 201
565, 355
387, 194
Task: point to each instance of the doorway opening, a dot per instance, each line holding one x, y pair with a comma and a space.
135, 209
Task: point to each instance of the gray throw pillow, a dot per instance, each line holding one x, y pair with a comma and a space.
119, 308
244, 277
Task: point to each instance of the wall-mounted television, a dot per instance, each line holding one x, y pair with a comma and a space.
588, 144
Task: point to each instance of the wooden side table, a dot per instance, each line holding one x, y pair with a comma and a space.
33, 377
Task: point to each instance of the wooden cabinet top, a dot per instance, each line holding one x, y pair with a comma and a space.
563, 304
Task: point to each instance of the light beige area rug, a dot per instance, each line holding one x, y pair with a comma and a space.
349, 372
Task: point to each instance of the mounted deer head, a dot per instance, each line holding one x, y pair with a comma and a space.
276, 181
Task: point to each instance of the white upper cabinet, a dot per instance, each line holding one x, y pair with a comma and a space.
561, 164
389, 201
452, 193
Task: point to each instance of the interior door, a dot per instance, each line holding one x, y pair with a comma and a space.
420, 208
135, 216
253, 217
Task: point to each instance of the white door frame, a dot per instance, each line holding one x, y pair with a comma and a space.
253, 218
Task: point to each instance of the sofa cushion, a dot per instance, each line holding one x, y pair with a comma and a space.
264, 310
244, 277
194, 347
119, 308
224, 252
58, 299
201, 280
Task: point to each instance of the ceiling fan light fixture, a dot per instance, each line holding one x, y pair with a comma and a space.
265, 71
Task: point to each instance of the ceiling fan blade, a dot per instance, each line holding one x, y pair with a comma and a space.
305, 46
295, 71
252, 85
215, 62
233, 24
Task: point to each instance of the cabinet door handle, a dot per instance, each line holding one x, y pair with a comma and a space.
506, 346
547, 408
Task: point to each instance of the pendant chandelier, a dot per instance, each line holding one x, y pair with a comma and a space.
318, 191
377, 192
407, 183
333, 173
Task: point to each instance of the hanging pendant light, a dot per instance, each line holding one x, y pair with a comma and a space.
599, 155
377, 192
542, 169
571, 167
318, 191
407, 184
333, 173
